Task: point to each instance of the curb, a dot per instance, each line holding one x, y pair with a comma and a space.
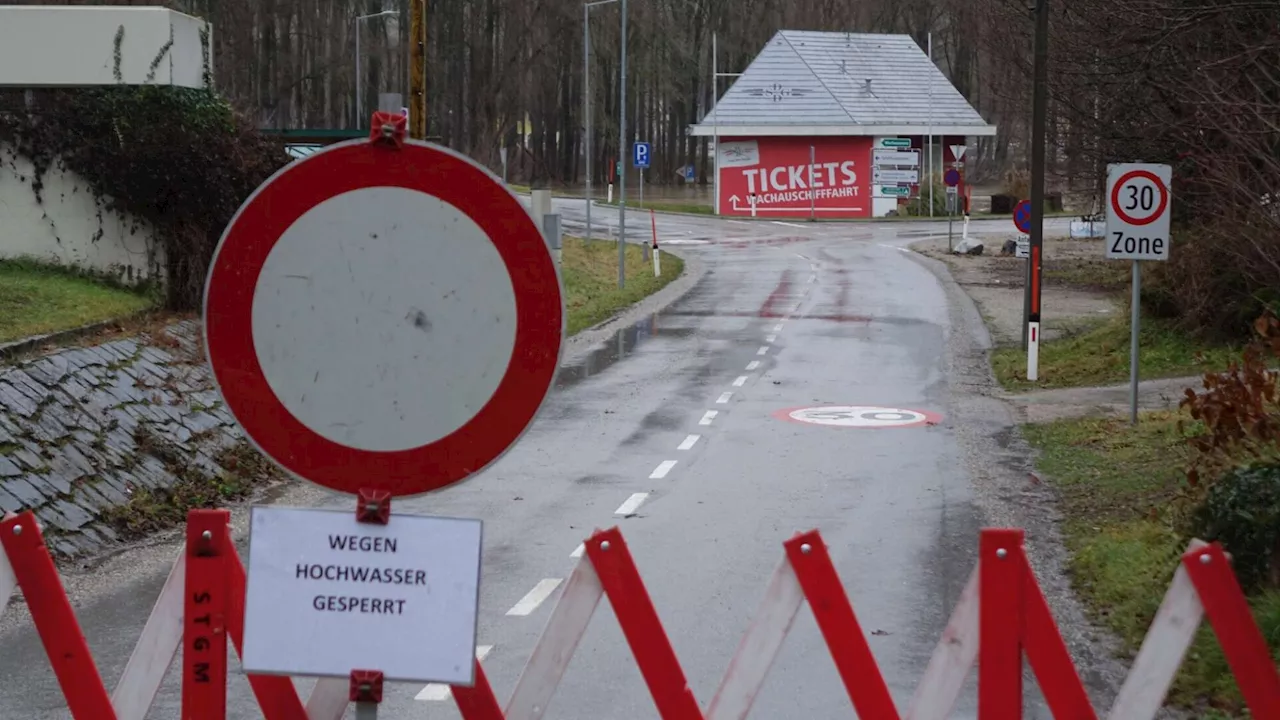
16, 348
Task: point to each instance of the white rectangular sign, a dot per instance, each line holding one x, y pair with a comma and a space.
328, 595
894, 158
1138, 210
895, 176
1023, 249
739, 153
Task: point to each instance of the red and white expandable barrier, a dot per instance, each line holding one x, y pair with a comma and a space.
201, 607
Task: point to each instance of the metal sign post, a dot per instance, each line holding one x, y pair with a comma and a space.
1138, 212
348, 381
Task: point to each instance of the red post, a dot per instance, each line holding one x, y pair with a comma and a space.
1000, 586
846, 642
1047, 652
204, 616
64, 643
478, 701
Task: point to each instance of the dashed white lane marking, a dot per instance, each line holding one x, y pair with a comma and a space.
708, 416
661, 471
530, 602
742, 380
577, 552
787, 224
894, 247
802, 257
777, 328
689, 442
764, 350
739, 222
436, 692
724, 398
770, 338
753, 365
633, 503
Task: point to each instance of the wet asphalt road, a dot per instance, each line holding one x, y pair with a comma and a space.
787, 315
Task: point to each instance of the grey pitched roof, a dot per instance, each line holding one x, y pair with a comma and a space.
804, 78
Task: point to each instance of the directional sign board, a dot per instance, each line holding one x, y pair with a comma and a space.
640, 154
896, 158
383, 318
951, 177
1022, 216
895, 190
895, 176
1138, 209
328, 594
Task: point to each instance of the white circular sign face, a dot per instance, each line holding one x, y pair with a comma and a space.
359, 289
860, 416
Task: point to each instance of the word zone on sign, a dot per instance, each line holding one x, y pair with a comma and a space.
361, 575
328, 594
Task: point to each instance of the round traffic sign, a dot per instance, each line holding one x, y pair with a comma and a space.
859, 416
951, 177
1022, 216
1139, 197
381, 318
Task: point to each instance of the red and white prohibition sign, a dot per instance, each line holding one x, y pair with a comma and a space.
384, 318
1148, 195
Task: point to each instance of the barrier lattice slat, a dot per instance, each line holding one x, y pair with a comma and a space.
1001, 612
206, 606
1156, 665
845, 640
54, 619
952, 659
1238, 634
760, 645
153, 654
648, 640
550, 658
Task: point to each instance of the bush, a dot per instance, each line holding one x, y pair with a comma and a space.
1242, 511
178, 158
919, 206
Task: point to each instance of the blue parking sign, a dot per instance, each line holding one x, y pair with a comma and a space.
640, 154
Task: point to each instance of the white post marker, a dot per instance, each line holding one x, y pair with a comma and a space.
1033, 352
1138, 212
383, 318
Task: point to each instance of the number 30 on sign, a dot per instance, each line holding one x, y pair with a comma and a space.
1138, 203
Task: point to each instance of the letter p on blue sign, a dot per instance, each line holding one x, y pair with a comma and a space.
640, 154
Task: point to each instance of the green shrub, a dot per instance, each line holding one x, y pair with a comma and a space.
1242, 511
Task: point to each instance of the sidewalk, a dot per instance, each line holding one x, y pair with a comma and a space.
1043, 406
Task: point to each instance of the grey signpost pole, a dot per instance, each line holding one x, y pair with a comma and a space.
1135, 319
622, 149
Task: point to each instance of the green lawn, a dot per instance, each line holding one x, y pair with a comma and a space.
676, 206
1100, 356
36, 299
590, 272
1117, 486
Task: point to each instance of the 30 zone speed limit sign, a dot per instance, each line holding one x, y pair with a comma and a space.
1138, 211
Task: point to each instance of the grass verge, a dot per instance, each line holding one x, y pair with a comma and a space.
590, 272
37, 299
1117, 484
678, 206
1100, 356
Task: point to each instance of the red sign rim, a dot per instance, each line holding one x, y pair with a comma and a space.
1147, 175
273, 208
1015, 216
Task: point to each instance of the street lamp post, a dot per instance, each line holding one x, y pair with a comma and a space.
586, 95
359, 83
622, 149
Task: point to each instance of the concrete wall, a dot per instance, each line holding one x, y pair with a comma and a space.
68, 228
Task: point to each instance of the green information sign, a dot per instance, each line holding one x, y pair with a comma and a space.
895, 190
895, 142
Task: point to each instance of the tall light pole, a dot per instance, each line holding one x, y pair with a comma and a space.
586, 95
359, 84
622, 149
715, 122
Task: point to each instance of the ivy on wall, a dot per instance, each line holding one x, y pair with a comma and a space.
180, 159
